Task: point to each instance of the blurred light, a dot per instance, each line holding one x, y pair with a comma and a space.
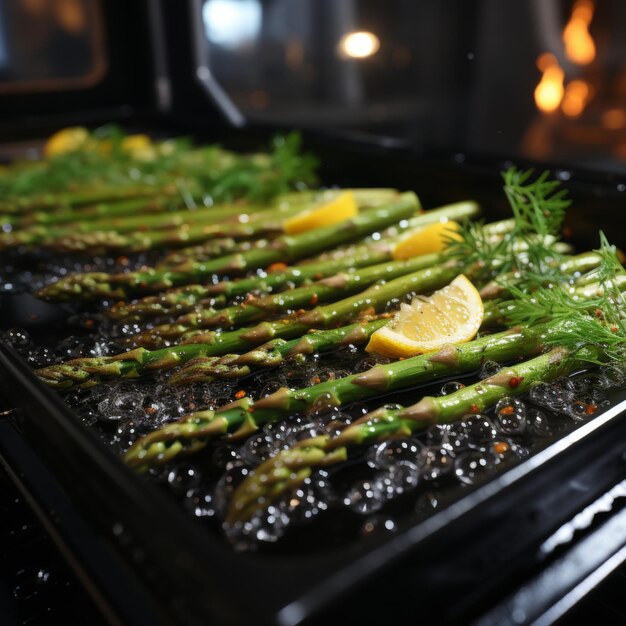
579, 45
232, 23
549, 91
577, 94
359, 45
614, 119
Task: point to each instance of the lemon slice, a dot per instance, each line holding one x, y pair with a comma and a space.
66, 140
139, 146
336, 210
432, 238
449, 316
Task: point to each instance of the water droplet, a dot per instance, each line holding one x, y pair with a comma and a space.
613, 374
181, 479
435, 462
472, 465
226, 485
397, 479
538, 424
200, 502
394, 451
511, 416
428, 502
364, 497
488, 369
450, 387
377, 525
479, 428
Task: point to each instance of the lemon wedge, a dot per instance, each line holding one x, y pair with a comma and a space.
432, 238
449, 316
340, 208
66, 140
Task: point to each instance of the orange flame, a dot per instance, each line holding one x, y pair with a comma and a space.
549, 91
579, 45
577, 94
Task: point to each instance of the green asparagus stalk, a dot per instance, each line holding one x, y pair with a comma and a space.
212, 249
113, 209
274, 353
185, 299
289, 468
144, 232
242, 417
86, 197
89, 371
257, 309
285, 248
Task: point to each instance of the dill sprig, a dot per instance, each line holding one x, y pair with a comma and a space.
580, 324
538, 208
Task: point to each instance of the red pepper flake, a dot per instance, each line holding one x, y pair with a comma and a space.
515, 381
249, 298
614, 328
122, 260
150, 410
474, 408
599, 314
590, 409
277, 267
240, 394
314, 299
300, 312
317, 380
507, 410
500, 447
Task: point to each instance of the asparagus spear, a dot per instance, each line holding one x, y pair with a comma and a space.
184, 299
240, 418
88, 371
274, 353
284, 248
289, 468
256, 309
113, 209
144, 232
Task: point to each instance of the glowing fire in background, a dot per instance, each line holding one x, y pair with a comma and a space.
549, 92
577, 94
579, 45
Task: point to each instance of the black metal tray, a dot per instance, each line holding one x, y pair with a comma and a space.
143, 559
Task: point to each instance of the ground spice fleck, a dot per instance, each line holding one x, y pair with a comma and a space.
500, 447
240, 394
